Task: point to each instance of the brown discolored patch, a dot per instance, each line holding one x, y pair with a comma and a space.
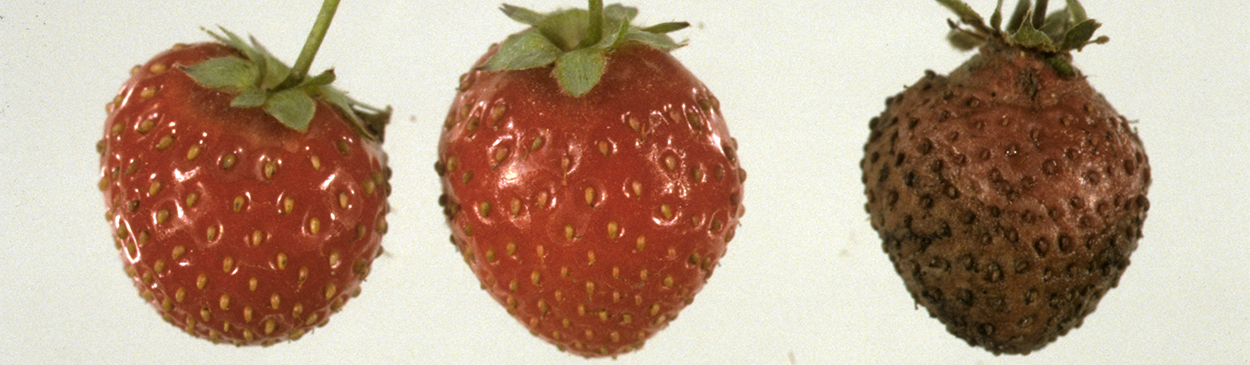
970, 185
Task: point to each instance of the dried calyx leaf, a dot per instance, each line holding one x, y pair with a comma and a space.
261, 80
1029, 27
576, 41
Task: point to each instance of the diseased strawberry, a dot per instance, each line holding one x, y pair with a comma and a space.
1010, 194
248, 200
589, 179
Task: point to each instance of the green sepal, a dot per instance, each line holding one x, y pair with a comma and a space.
563, 39
578, 71
996, 20
525, 50
336, 97
1077, 11
656, 35
963, 40
1061, 66
1077, 37
276, 72
660, 41
249, 98
565, 28
965, 12
224, 73
1060, 31
292, 107
620, 29
258, 81
618, 11
323, 79
1056, 24
369, 121
522, 15
234, 41
1018, 16
1030, 37
664, 28
1038, 15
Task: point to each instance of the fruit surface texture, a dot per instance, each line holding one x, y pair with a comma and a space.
1009, 195
592, 219
237, 228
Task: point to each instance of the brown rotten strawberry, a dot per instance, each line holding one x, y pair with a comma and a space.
1009, 195
247, 199
589, 179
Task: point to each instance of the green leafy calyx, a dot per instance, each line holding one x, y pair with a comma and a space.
260, 80
576, 42
1029, 27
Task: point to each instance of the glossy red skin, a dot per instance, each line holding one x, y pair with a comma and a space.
322, 270
576, 293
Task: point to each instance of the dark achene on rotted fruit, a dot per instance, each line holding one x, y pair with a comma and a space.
1009, 195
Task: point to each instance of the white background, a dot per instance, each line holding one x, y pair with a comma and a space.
804, 282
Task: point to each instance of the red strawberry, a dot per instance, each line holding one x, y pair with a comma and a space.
1009, 195
247, 205
590, 182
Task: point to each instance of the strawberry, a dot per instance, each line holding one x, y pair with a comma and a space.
589, 179
247, 199
1010, 194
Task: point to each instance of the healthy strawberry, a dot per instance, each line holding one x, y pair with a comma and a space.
1009, 195
589, 179
247, 199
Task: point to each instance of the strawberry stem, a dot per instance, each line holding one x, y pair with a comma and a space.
1017, 16
300, 70
1039, 14
595, 31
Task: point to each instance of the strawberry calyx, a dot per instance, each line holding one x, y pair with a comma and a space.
286, 93
1028, 28
576, 41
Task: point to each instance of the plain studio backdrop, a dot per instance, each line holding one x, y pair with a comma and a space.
804, 282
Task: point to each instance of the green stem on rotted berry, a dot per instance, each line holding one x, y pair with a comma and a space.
1039, 14
1017, 16
318, 33
1029, 27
